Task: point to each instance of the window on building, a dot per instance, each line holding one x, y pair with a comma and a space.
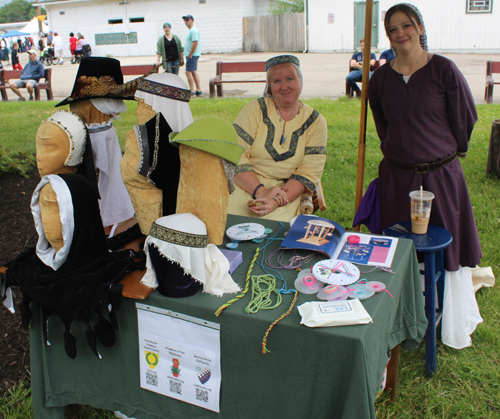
115, 21
62, 13
136, 19
479, 6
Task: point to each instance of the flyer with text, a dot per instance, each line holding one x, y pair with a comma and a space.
184, 366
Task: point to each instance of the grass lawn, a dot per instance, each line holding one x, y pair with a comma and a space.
467, 382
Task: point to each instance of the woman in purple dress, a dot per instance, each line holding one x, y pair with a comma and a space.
424, 114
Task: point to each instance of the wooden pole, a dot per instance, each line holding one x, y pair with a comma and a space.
40, 28
364, 103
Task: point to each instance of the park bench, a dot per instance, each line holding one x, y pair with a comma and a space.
16, 75
348, 90
234, 67
137, 70
491, 67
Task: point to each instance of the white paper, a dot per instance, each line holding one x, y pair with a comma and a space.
371, 250
179, 357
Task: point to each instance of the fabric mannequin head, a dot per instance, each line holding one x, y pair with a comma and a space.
60, 144
180, 259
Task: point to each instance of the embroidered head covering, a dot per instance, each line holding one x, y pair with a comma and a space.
74, 128
101, 77
281, 59
168, 94
182, 239
415, 16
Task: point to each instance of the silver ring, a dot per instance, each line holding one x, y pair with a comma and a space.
265, 212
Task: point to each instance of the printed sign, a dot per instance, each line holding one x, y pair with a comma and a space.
184, 366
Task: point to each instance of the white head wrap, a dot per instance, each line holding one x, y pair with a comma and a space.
108, 106
183, 239
168, 94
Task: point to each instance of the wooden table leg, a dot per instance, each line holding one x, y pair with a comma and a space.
73, 411
392, 371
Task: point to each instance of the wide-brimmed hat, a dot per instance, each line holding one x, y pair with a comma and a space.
213, 135
101, 77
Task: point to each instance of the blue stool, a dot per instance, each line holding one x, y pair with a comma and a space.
431, 245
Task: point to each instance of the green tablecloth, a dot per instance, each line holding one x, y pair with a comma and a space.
329, 372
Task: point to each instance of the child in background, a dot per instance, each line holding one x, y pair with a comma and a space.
15, 57
72, 46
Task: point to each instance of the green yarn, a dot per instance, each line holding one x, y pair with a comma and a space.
263, 286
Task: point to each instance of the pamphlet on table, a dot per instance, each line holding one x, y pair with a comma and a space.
329, 238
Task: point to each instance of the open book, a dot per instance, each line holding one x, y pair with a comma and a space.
327, 237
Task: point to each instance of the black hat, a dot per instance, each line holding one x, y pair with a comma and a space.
101, 77
187, 17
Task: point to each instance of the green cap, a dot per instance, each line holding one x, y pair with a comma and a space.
213, 135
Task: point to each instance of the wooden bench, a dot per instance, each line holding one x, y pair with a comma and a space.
137, 70
16, 75
348, 90
491, 67
234, 67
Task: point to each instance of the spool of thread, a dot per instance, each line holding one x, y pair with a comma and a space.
232, 245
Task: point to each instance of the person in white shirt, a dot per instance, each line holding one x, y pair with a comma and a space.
58, 47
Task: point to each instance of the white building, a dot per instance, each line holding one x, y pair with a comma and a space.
131, 27
452, 25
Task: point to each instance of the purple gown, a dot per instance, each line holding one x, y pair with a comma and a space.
422, 121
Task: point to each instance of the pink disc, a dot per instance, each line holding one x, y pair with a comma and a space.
377, 286
353, 239
307, 283
333, 293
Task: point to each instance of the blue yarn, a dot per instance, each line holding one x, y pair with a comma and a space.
269, 240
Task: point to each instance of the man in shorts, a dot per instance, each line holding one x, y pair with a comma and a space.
31, 74
192, 50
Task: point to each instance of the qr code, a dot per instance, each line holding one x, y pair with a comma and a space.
175, 387
202, 395
152, 378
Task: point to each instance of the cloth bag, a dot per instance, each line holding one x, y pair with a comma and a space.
334, 313
460, 310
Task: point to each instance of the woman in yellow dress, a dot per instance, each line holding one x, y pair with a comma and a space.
285, 147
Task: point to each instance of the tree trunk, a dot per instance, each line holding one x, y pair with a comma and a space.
493, 166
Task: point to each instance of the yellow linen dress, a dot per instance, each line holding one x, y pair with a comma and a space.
301, 157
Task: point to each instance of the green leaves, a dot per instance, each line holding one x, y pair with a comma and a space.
15, 162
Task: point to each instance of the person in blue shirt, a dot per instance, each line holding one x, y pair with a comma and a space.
386, 56
31, 74
356, 73
192, 52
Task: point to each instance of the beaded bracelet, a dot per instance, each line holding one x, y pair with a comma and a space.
256, 189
